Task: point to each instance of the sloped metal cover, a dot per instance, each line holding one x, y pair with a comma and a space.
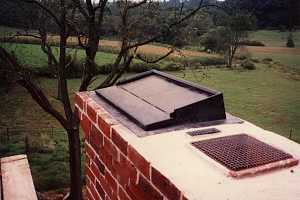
154, 100
238, 152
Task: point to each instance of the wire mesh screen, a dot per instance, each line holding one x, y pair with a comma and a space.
240, 152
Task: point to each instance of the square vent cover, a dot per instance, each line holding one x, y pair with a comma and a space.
240, 152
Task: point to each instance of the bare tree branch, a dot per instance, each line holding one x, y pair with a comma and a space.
81, 9
137, 4
39, 4
36, 93
156, 60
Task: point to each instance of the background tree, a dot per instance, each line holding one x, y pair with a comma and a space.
237, 27
232, 27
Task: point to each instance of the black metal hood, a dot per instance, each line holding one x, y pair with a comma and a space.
154, 99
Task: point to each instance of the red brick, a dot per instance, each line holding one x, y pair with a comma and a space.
143, 190
113, 197
164, 185
79, 101
89, 174
100, 190
78, 113
111, 181
105, 186
89, 195
184, 198
110, 148
94, 168
105, 122
87, 159
119, 141
88, 182
94, 192
123, 195
124, 171
86, 126
91, 112
139, 161
106, 158
100, 166
89, 151
96, 138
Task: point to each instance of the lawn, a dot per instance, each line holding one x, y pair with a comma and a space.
31, 54
267, 96
46, 140
287, 59
274, 38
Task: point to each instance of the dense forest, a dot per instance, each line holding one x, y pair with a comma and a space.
270, 14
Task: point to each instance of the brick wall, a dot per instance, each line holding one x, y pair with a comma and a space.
114, 169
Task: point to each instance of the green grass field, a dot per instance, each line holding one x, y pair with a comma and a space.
31, 54
286, 59
274, 38
267, 96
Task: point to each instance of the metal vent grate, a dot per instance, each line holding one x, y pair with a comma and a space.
203, 131
240, 152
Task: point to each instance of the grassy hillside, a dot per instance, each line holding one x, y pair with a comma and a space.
274, 38
267, 96
32, 55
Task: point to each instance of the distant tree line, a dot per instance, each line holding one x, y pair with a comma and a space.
273, 14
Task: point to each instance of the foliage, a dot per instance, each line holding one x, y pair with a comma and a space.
290, 41
74, 67
173, 67
267, 60
202, 61
214, 40
252, 43
7, 76
142, 67
275, 38
248, 64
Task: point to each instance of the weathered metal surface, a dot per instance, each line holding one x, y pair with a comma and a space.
140, 132
156, 100
203, 131
239, 152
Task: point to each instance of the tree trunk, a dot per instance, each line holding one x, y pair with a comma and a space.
75, 164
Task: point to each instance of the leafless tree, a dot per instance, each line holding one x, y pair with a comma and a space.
66, 23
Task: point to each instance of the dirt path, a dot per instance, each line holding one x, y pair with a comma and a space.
157, 50
294, 51
160, 50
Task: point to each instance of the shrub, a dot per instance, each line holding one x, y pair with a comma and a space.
267, 60
252, 43
74, 68
203, 61
104, 69
142, 67
134, 67
39, 143
247, 64
290, 41
212, 61
255, 60
43, 72
173, 67
214, 40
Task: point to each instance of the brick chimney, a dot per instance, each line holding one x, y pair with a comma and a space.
133, 154
114, 168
